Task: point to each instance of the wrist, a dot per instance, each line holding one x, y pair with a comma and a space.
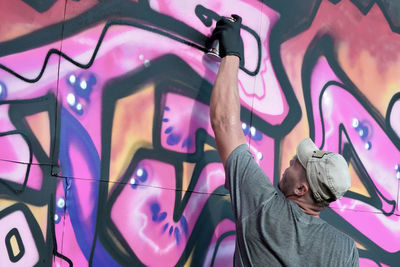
231, 59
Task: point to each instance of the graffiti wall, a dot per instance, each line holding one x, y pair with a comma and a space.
107, 156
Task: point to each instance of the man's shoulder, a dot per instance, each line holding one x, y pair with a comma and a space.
338, 236
341, 246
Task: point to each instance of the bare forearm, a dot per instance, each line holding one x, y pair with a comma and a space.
224, 102
225, 107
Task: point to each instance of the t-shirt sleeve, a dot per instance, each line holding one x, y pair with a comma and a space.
354, 258
247, 183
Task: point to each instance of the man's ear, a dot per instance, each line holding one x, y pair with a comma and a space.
301, 189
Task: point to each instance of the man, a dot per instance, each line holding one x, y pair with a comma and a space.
272, 230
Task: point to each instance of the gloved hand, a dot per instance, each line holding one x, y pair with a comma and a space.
228, 35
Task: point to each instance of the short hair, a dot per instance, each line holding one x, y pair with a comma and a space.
324, 203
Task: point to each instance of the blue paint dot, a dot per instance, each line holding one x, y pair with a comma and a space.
257, 136
71, 79
184, 224
177, 235
170, 230
368, 145
165, 120
162, 216
155, 209
168, 130
3, 91
167, 108
78, 111
365, 131
246, 131
134, 183
60, 210
143, 175
57, 218
173, 139
92, 79
165, 227
83, 86
187, 142
253, 133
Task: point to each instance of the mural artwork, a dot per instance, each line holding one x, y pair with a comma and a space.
107, 156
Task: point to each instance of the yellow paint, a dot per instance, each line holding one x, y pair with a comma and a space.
358, 245
18, 29
377, 85
14, 246
40, 126
40, 213
188, 262
293, 65
131, 130
117, 243
5, 203
227, 197
208, 147
188, 169
356, 185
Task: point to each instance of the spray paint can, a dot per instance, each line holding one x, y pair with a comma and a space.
213, 52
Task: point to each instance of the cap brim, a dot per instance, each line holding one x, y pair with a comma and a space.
305, 150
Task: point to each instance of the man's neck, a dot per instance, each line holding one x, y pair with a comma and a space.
307, 208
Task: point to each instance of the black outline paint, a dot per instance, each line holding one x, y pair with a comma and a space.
322, 46
169, 74
21, 247
155, 22
40, 5
220, 239
34, 229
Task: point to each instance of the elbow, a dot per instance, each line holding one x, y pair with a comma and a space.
224, 124
224, 118
225, 114
220, 122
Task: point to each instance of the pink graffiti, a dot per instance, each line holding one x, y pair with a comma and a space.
14, 166
16, 220
223, 256
394, 118
143, 212
376, 151
261, 93
182, 118
370, 263
138, 212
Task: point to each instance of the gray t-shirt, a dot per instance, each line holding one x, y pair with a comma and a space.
273, 231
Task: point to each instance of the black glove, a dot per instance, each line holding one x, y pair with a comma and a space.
228, 35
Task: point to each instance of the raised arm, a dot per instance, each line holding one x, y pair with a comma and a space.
224, 102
